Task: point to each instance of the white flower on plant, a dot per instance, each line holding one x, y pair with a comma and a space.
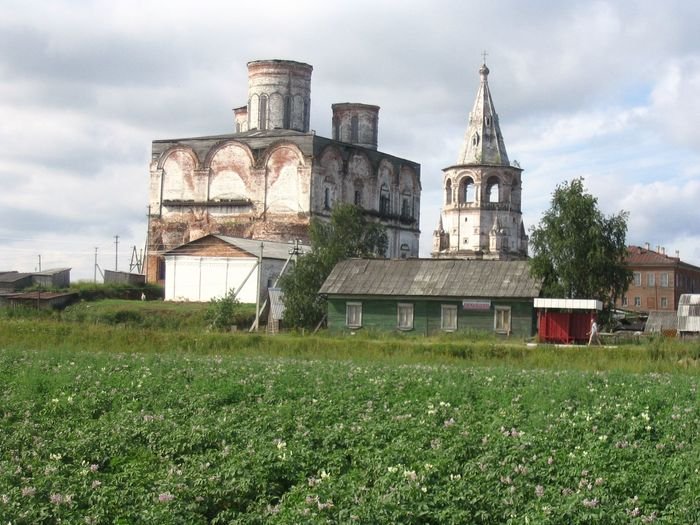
591, 503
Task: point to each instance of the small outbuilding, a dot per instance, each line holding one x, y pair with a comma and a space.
689, 315
565, 320
213, 265
429, 296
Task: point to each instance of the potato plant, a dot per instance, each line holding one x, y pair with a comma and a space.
100, 437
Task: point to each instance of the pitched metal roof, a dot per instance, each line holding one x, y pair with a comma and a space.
271, 249
432, 277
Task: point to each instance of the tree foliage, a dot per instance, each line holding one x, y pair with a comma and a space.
578, 251
347, 234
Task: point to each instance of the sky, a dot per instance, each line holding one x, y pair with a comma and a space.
606, 91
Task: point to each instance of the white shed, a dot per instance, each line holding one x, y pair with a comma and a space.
689, 314
213, 265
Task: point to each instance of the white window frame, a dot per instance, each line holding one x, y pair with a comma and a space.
502, 326
637, 278
663, 279
448, 323
624, 300
651, 279
637, 301
353, 321
664, 303
404, 322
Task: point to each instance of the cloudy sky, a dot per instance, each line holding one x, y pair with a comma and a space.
607, 91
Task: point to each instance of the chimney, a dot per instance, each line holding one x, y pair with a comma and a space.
658, 248
663, 250
646, 246
678, 254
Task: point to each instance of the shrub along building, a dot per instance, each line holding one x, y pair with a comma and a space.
428, 296
273, 174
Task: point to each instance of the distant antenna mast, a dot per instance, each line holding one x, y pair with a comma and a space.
136, 261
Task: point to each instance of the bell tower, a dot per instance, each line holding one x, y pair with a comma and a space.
481, 216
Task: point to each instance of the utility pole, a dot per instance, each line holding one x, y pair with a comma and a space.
116, 252
39, 262
94, 269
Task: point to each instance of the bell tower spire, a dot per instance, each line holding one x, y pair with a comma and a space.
481, 214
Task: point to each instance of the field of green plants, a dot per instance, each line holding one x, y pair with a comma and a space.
196, 431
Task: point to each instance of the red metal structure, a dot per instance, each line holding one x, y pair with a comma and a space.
565, 321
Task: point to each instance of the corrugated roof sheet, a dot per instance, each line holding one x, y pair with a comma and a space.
659, 321
432, 277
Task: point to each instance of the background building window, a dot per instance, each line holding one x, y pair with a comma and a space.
384, 208
501, 323
405, 316
637, 278
624, 300
664, 279
448, 317
353, 315
637, 301
664, 302
651, 279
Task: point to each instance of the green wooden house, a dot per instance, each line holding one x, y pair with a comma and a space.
429, 296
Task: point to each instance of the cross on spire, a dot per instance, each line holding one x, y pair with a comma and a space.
484, 54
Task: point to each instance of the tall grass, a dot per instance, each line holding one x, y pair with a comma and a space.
656, 356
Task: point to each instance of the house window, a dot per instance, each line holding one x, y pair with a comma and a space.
651, 279
624, 300
637, 301
663, 277
501, 322
404, 316
448, 317
353, 315
637, 278
664, 302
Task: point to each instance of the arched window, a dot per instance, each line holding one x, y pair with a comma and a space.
448, 192
384, 206
406, 201
287, 112
327, 199
492, 190
262, 113
467, 190
354, 129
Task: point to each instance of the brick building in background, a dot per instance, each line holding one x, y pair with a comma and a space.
269, 177
658, 280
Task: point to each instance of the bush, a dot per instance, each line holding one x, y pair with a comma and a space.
222, 311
